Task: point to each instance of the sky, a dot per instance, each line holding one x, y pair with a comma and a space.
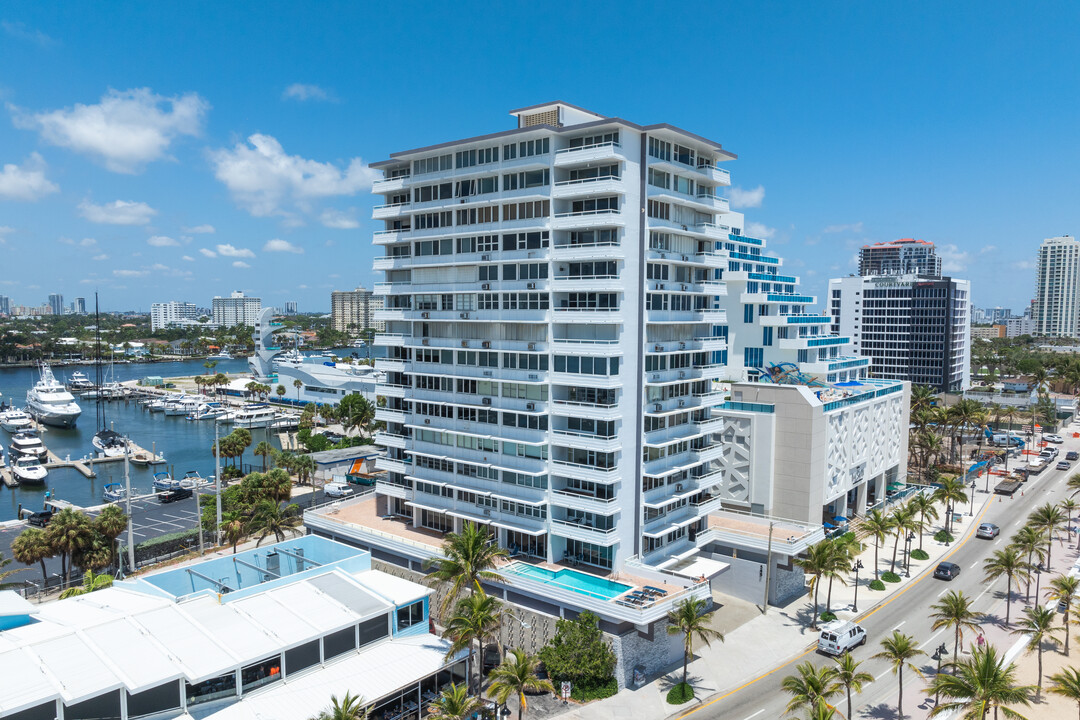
176, 151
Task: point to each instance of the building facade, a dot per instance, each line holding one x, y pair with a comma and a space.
899, 257
1017, 326
355, 310
237, 309
290, 307
912, 327
56, 304
1056, 309
168, 314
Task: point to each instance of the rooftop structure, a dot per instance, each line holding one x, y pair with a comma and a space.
900, 257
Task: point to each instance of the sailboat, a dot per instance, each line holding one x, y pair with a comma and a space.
108, 442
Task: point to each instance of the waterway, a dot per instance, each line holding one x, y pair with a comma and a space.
185, 444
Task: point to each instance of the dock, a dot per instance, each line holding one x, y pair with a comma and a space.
8, 478
288, 441
85, 465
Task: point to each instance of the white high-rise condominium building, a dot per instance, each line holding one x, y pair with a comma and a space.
1056, 310
167, 314
78, 306
899, 257
237, 309
354, 310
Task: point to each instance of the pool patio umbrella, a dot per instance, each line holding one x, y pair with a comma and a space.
828, 525
840, 519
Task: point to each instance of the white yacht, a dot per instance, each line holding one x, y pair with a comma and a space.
192, 480
113, 492
15, 420
183, 406
78, 382
223, 354
50, 402
209, 411
26, 445
109, 443
254, 415
29, 471
164, 481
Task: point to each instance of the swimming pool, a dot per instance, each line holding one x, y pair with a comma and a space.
572, 580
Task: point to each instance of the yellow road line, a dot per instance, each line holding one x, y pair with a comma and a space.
812, 648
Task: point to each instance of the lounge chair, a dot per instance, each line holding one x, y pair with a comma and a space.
655, 591
513, 549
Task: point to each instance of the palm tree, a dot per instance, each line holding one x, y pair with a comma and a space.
845, 549
954, 612
210, 365
1038, 626
820, 712
817, 560
689, 620
931, 446
516, 676
1066, 684
297, 383
111, 522
978, 684
280, 391
467, 558
268, 519
847, 675
1073, 484
1008, 563
5, 574
1064, 590
924, 506
264, 449
1069, 507
879, 525
812, 686
899, 650
232, 528
477, 617
1029, 541
903, 521
33, 546
351, 707
1047, 519
454, 703
922, 397
91, 582
68, 532
951, 492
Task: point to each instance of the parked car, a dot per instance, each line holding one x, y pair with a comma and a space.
338, 490
839, 636
1053, 438
1072, 455
988, 531
40, 518
1063, 465
946, 571
180, 493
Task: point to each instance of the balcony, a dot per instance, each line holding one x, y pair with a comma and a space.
605, 185
587, 154
758, 298
391, 339
392, 391
389, 185
593, 251
390, 314
390, 262
393, 210
390, 464
590, 411
585, 533
715, 174
751, 257
593, 345
608, 217
714, 203
588, 472
389, 415
389, 237
707, 344
710, 315
709, 425
586, 315
390, 364
575, 500
387, 439
587, 283
384, 487
586, 441
686, 402
811, 341
794, 319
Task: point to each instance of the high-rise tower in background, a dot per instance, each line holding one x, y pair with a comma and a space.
56, 304
900, 257
1056, 310
355, 310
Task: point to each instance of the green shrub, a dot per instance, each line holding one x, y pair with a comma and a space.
920, 555
583, 693
943, 537
890, 577
680, 694
828, 616
877, 585
578, 653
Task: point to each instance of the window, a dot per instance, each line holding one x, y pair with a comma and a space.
474, 216
528, 148
424, 221
766, 336
659, 210
373, 629
530, 179
600, 139
585, 365
525, 241
260, 673
748, 313
427, 193
659, 149
302, 657
526, 210
659, 179
753, 357
433, 164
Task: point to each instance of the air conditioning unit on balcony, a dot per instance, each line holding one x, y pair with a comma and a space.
657, 407
531, 286
682, 346
530, 406
659, 286
678, 487
425, 315
532, 346
464, 316
682, 374
682, 287
486, 344
464, 343
685, 258
682, 403
656, 376
659, 348
486, 286
487, 512
485, 258
485, 401
425, 341
427, 421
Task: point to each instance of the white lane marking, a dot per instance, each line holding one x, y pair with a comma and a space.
943, 592
755, 714
999, 540
901, 623
883, 674
974, 564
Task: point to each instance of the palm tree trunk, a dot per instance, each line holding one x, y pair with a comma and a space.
479, 666
849, 702
896, 543
955, 647
1039, 690
900, 697
520, 704
1008, 597
875, 557
685, 664
922, 528
828, 596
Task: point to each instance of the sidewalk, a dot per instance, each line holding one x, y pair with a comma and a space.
769, 641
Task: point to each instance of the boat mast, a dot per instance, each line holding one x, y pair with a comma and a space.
100, 409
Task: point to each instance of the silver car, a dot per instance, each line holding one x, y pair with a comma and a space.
987, 531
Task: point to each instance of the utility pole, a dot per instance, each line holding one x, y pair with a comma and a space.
768, 573
198, 514
127, 501
218, 482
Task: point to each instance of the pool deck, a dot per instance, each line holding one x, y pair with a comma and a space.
636, 583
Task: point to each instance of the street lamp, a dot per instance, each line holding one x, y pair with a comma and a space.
855, 569
939, 654
971, 510
907, 552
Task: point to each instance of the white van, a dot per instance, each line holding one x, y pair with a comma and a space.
840, 636
338, 490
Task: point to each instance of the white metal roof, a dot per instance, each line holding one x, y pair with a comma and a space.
25, 681
371, 674
394, 589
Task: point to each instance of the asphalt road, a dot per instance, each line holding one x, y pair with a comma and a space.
762, 698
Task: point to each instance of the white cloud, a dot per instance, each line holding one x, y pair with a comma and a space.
848, 228
279, 245
338, 220
126, 130
187, 258
162, 241
6, 230
118, 212
301, 287
130, 273
228, 250
987, 249
66, 241
740, 198
267, 182
26, 181
953, 259
240, 264
88, 242
1019, 265
159, 267
207, 252
100, 257
22, 32
302, 92
199, 230
756, 229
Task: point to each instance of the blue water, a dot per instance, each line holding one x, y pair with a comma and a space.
184, 444
578, 582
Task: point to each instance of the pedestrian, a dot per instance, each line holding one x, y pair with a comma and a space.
980, 641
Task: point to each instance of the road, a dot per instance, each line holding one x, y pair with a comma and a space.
762, 698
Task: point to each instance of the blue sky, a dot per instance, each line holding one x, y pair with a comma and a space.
157, 151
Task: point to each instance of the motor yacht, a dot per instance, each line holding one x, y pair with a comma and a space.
15, 420
26, 445
50, 403
285, 421
223, 354
209, 411
183, 406
109, 443
254, 415
78, 382
28, 470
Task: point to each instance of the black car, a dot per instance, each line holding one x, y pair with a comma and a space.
1072, 455
169, 496
946, 571
40, 519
